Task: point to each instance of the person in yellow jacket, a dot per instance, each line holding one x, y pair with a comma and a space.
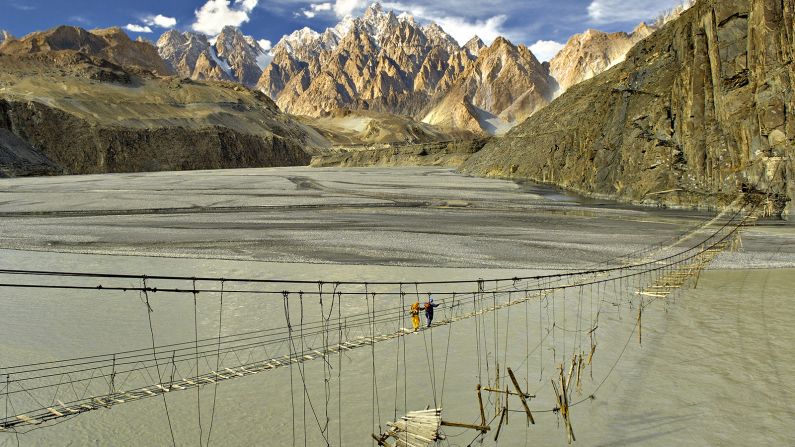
415, 315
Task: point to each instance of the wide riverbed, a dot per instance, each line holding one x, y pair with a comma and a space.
712, 369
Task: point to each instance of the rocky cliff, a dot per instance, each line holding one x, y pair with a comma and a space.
698, 111
504, 85
65, 108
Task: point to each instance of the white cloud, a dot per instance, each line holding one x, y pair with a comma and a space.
316, 8
461, 28
137, 28
265, 44
214, 15
545, 50
160, 21
618, 11
346, 7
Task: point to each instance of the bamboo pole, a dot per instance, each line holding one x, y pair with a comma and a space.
521, 396
499, 426
484, 428
482, 411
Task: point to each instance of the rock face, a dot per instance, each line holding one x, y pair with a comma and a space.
18, 158
191, 55
71, 111
591, 53
503, 86
377, 62
232, 57
698, 111
112, 45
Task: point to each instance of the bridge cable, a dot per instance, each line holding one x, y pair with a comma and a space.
149, 312
217, 361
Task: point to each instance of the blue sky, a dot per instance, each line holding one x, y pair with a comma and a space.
542, 23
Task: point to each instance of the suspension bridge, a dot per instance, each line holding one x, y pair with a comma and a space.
324, 319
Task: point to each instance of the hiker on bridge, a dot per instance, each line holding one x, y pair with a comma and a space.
415, 315
429, 310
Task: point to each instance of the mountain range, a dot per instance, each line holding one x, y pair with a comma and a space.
379, 62
387, 63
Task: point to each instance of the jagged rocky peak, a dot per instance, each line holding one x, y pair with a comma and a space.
437, 36
241, 53
191, 55
503, 86
474, 46
593, 52
111, 44
378, 61
230, 56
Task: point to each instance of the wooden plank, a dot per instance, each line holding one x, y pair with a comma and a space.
28, 420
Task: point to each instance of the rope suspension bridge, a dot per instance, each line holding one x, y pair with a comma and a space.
322, 321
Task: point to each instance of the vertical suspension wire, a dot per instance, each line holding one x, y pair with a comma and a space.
496, 330
286, 305
485, 337
339, 367
217, 360
375, 375
301, 365
475, 302
402, 311
541, 335
324, 321
149, 312
196, 350
451, 319
507, 334
372, 355
431, 371
554, 331
563, 325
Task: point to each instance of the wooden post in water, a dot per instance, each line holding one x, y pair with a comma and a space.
482, 411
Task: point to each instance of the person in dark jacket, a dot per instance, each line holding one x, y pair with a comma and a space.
429, 310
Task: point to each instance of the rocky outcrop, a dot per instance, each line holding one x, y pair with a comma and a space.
77, 146
18, 158
591, 53
112, 45
448, 154
503, 86
357, 127
697, 112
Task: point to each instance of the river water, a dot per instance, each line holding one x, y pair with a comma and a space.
711, 370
